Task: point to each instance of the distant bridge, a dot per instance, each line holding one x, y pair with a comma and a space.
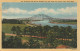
40, 17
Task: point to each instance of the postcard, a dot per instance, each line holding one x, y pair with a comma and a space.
39, 25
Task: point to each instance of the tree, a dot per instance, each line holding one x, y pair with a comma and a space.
25, 31
56, 28
50, 39
3, 39
13, 42
31, 43
62, 32
18, 30
74, 38
3, 36
13, 29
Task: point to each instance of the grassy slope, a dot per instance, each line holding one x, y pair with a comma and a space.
7, 27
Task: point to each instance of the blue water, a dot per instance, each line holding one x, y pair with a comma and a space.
46, 22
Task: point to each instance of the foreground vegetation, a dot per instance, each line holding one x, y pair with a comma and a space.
52, 34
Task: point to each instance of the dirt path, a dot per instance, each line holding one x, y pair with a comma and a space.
62, 46
23, 35
36, 36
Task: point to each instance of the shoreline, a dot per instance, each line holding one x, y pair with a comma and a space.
61, 23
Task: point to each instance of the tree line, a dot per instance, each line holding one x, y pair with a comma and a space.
12, 21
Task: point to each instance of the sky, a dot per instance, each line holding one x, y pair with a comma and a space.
25, 10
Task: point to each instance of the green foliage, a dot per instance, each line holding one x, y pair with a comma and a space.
13, 29
54, 36
12, 42
3, 36
33, 43
18, 30
12, 21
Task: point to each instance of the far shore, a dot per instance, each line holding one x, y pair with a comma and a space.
63, 23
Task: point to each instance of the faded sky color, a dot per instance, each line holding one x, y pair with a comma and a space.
24, 10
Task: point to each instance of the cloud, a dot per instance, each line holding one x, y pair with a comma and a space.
42, 10
39, 10
14, 10
67, 10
